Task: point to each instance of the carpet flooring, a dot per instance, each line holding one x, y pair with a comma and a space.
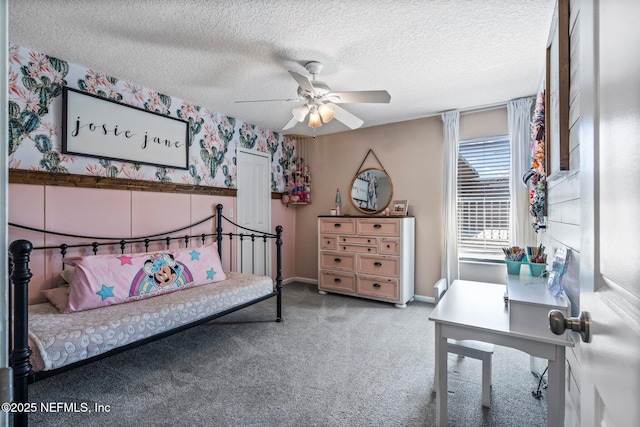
334, 361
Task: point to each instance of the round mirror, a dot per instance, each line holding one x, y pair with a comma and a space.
371, 190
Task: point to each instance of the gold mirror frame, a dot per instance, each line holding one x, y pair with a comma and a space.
371, 190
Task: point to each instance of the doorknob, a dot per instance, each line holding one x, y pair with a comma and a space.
558, 324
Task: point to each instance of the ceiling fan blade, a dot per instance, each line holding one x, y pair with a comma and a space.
362, 96
290, 124
303, 82
342, 115
299, 113
268, 100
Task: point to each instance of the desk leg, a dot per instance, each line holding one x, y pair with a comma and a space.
441, 377
555, 391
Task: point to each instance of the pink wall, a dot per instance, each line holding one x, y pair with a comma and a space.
118, 213
286, 217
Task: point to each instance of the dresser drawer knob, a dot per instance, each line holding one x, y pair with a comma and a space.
337, 260
376, 285
337, 280
337, 225
377, 264
377, 226
369, 249
388, 246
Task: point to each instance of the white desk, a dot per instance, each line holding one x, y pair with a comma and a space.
477, 311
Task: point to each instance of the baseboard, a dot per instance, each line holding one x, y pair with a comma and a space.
300, 279
315, 282
424, 299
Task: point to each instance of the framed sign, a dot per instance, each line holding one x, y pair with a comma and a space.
99, 127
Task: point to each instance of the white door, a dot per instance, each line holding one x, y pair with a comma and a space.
254, 210
610, 272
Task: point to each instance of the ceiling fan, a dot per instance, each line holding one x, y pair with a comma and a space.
320, 102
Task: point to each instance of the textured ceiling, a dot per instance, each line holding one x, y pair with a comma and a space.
430, 55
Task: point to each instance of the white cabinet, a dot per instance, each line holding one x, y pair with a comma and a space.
369, 257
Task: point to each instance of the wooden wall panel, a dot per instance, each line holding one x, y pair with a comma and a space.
26, 207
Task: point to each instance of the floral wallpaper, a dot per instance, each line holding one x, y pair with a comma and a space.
35, 119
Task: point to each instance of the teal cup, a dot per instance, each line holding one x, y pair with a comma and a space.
537, 269
513, 267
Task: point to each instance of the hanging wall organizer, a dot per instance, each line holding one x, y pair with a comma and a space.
298, 176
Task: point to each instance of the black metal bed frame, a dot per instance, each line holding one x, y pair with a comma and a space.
20, 275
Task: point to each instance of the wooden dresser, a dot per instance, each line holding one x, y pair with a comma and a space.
369, 257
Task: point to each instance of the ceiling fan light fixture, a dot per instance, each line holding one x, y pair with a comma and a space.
300, 112
326, 113
322, 105
314, 120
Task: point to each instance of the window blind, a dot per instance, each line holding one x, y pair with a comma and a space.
483, 197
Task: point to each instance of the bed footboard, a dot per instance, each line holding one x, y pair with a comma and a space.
19, 253
254, 235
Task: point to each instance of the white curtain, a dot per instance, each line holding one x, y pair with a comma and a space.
451, 131
521, 232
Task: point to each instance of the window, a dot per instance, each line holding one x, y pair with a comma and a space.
483, 197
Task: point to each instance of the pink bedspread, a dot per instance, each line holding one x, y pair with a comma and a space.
61, 339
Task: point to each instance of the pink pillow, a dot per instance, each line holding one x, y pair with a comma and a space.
101, 280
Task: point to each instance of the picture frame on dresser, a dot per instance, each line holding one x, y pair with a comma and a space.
399, 208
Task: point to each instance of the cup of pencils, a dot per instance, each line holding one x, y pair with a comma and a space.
513, 257
537, 260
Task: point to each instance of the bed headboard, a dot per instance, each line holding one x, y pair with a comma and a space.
235, 244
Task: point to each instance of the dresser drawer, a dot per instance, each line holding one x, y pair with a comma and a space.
382, 287
379, 227
338, 281
389, 246
338, 225
384, 265
355, 240
338, 261
329, 242
358, 248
